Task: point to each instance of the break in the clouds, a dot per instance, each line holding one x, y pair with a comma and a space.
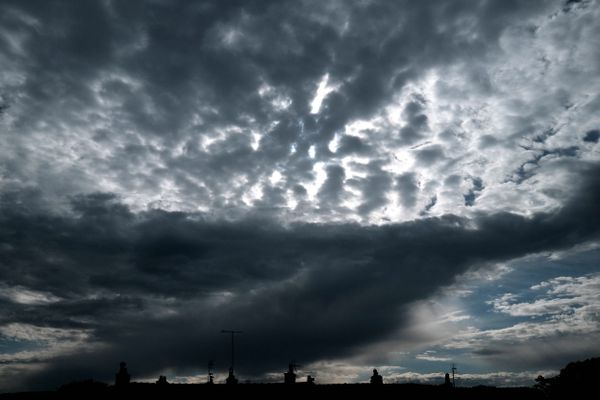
313, 173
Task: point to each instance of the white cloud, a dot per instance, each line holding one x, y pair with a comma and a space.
20, 331
48, 345
430, 355
322, 91
500, 378
564, 325
21, 295
563, 295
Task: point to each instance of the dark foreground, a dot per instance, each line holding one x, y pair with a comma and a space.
578, 380
364, 391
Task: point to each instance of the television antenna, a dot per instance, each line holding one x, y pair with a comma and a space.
233, 333
453, 371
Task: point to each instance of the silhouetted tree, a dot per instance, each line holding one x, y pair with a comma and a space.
577, 379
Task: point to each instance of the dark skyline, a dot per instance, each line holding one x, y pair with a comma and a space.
399, 185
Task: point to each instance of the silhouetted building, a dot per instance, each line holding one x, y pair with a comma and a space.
162, 380
310, 380
122, 377
447, 382
376, 379
231, 379
290, 376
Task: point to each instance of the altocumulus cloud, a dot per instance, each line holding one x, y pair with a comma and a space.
195, 106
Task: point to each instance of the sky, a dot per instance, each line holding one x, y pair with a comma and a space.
401, 185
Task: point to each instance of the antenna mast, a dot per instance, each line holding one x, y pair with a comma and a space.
232, 344
453, 371
211, 364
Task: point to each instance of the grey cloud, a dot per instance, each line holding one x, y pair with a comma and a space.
408, 189
417, 125
331, 192
429, 155
352, 145
430, 205
548, 133
487, 141
452, 180
300, 191
374, 189
409, 135
480, 80
571, 5
4, 106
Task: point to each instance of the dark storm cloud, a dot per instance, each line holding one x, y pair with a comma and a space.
156, 287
